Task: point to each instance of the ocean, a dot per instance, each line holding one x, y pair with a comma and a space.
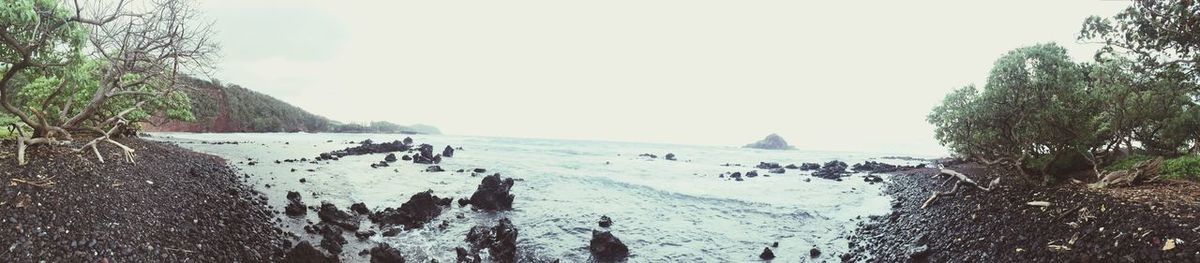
665, 211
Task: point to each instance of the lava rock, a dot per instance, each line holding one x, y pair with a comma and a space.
360, 208
809, 166
778, 171
493, 194
500, 240
419, 210
479, 170
391, 232
605, 221
871, 178
604, 246
391, 157
364, 234
366, 147
669, 157
331, 214
767, 166
425, 155
792, 166
306, 253
751, 174
831, 170
448, 151
406, 158
651, 156
384, 253
878, 167
295, 206
331, 237
434, 169
767, 254
466, 257
814, 252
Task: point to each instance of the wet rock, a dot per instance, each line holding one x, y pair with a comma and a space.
331, 237
809, 166
380, 164
364, 234
466, 257
751, 174
814, 252
871, 178
605, 221
767, 166
493, 194
419, 210
792, 166
606, 247
366, 147
408, 140
360, 208
295, 206
391, 232
331, 214
651, 156
669, 157
406, 158
832, 170
391, 157
878, 167
736, 175
500, 240
434, 169
767, 254
479, 170
771, 142
778, 171
384, 253
448, 151
306, 253
463, 202
425, 155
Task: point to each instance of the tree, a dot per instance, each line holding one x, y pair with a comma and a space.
1159, 34
82, 67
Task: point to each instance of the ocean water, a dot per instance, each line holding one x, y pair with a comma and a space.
665, 211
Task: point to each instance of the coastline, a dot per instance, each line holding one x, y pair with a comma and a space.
1156, 222
173, 205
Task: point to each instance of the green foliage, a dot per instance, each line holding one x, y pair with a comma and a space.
245, 110
1127, 162
1183, 167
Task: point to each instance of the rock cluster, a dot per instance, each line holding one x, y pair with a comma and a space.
419, 210
493, 194
771, 142
500, 240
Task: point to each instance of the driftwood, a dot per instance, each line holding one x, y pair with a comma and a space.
961, 179
1142, 172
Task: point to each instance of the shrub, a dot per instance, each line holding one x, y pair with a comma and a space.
1127, 162
1183, 167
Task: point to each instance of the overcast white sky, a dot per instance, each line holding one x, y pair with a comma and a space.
828, 75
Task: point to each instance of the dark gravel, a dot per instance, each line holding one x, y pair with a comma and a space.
1080, 225
174, 205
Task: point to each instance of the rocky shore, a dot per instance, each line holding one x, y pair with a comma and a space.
1023, 221
173, 205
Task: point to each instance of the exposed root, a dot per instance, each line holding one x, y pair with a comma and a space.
106, 137
962, 179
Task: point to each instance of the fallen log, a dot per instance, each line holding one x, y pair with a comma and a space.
961, 180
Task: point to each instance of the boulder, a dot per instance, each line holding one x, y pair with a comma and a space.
448, 152
651, 156
778, 171
669, 157
331, 237
434, 169
878, 167
419, 210
295, 206
871, 178
751, 174
304, 252
814, 252
364, 234
493, 194
605, 221
408, 141
809, 166
391, 157
832, 170
329, 213
360, 208
606, 247
500, 240
366, 147
463, 256
767, 254
767, 166
792, 166
406, 158
384, 253
425, 155
771, 142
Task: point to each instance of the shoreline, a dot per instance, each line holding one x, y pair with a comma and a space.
1156, 222
173, 205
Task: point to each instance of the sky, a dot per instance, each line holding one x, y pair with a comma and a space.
825, 75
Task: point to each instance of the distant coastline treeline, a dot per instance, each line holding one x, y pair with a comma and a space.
1047, 116
221, 107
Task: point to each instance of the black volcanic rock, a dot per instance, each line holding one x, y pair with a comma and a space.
809, 166
419, 210
767, 166
500, 240
772, 142
606, 247
331, 214
366, 147
493, 194
360, 208
391, 157
831, 170
605, 221
384, 253
448, 152
304, 252
669, 157
295, 206
767, 254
